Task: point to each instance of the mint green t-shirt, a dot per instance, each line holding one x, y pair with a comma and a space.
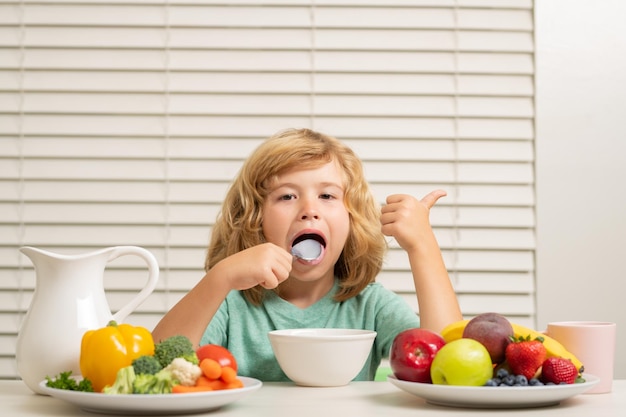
242, 327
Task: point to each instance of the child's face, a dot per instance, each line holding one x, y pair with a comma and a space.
308, 202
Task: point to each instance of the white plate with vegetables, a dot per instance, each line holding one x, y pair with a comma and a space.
154, 404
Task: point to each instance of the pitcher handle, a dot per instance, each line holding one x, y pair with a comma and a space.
153, 277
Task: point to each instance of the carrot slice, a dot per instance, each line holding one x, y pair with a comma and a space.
237, 383
217, 384
182, 389
211, 368
203, 381
228, 374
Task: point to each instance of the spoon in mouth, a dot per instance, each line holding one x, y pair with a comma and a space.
307, 250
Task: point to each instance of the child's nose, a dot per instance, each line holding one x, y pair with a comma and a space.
309, 211
310, 215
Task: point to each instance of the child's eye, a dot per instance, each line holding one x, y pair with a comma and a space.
326, 196
287, 197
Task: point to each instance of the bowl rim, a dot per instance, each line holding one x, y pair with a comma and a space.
323, 333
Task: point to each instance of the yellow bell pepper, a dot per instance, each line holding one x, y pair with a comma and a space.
105, 351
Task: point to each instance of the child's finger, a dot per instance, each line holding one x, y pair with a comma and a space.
431, 198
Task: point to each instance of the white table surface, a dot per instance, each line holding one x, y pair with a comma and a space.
359, 399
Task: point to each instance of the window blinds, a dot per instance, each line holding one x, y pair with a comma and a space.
123, 123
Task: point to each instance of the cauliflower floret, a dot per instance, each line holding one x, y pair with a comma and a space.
184, 371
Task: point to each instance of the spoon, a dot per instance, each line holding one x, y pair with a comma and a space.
307, 250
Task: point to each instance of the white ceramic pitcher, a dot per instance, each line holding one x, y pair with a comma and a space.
69, 299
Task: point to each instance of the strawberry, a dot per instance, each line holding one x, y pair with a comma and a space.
525, 356
558, 370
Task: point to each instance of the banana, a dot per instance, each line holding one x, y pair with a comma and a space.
455, 330
553, 347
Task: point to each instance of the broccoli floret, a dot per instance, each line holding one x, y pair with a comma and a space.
159, 383
177, 346
146, 364
123, 382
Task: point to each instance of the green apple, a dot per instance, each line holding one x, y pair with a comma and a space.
462, 362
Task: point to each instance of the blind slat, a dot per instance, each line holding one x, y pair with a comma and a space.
293, 38
212, 149
491, 85
474, 261
238, 104
187, 192
185, 236
270, 60
185, 170
129, 213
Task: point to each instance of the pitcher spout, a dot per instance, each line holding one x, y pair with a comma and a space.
34, 253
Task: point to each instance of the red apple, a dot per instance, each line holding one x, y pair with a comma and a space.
412, 353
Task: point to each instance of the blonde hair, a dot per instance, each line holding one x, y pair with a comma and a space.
239, 224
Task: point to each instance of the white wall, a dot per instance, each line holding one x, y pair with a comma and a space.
581, 163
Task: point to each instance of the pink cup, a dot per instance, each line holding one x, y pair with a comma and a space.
593, 342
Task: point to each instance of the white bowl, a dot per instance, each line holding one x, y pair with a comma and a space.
321, 357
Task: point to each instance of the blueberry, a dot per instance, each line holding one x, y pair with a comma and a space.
535, 382
502, 372
521, 380
493, 382
508, 380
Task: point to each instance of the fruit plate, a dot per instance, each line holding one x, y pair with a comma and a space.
494, 397
154, 404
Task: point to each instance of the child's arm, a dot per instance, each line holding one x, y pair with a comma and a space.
266, 265
407, 220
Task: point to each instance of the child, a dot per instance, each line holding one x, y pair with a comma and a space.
303, 184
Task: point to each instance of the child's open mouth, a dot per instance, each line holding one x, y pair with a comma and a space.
308, 247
